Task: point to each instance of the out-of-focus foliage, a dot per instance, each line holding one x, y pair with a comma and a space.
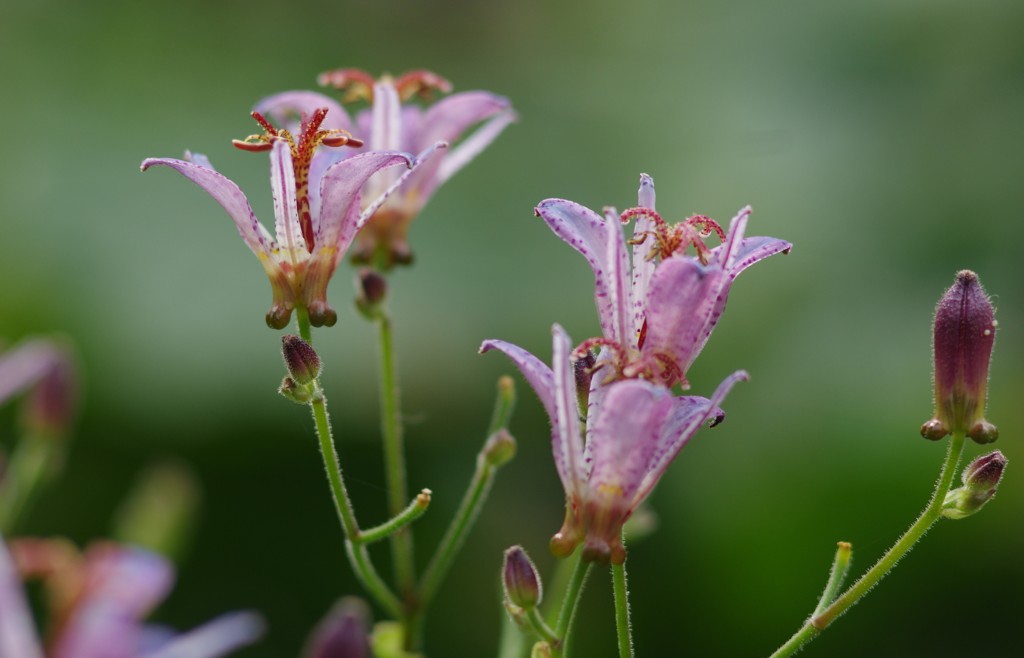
882, 138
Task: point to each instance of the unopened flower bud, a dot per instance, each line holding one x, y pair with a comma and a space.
371, 290
344, 633
500, 448
541, 650
981, 479
301, 359
964, 333
520, 579
583, 370
50, 406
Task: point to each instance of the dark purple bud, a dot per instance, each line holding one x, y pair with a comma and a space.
520, 579
371, 291
50, 406
981, 479
343, 633
965, 330
301, 359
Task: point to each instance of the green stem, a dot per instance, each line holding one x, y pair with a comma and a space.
932, 512
31, 464
394, 455
541, 628
357, 554
840, 567
414, 511
622, 626
563, 627
452, 541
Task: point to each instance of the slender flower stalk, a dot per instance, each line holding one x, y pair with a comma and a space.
963, 333
45, 372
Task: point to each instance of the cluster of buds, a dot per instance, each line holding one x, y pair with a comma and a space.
303, 364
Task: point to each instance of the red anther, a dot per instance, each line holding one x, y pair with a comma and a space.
266, 125
341, 140
254, 147
343, 79
420, 83
640, 211
642, 338
707, 226
356, 84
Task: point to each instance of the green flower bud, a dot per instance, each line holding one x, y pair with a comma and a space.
295, 392
500, 448
981, 479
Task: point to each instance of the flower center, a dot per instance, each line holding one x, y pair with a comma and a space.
625, 363
671, 239
302, 148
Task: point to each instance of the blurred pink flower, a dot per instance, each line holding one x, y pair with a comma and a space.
394, 124
99, 599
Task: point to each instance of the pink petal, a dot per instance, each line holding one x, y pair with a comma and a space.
686, 417
590, 235
282, 185
340, 211
231, 198
122, 586
386, 133
17, 631
215, 638
535, 371
625, 436
643, 268
680, 307
24, 365
567, 441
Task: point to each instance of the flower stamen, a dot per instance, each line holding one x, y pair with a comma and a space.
422, 83
310, 137
676, 238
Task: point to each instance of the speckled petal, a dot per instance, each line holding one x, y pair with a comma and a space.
625, 436
535, 371
341, 215
229, 196
687, 416
215, 638
17, 631
591, 235
286, 213
567, 440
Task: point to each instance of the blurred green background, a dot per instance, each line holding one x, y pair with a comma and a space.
882, 138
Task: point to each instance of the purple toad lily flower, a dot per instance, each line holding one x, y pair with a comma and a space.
656, 318
47, 369
102, 597
317, 205
394, 125
634, 429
